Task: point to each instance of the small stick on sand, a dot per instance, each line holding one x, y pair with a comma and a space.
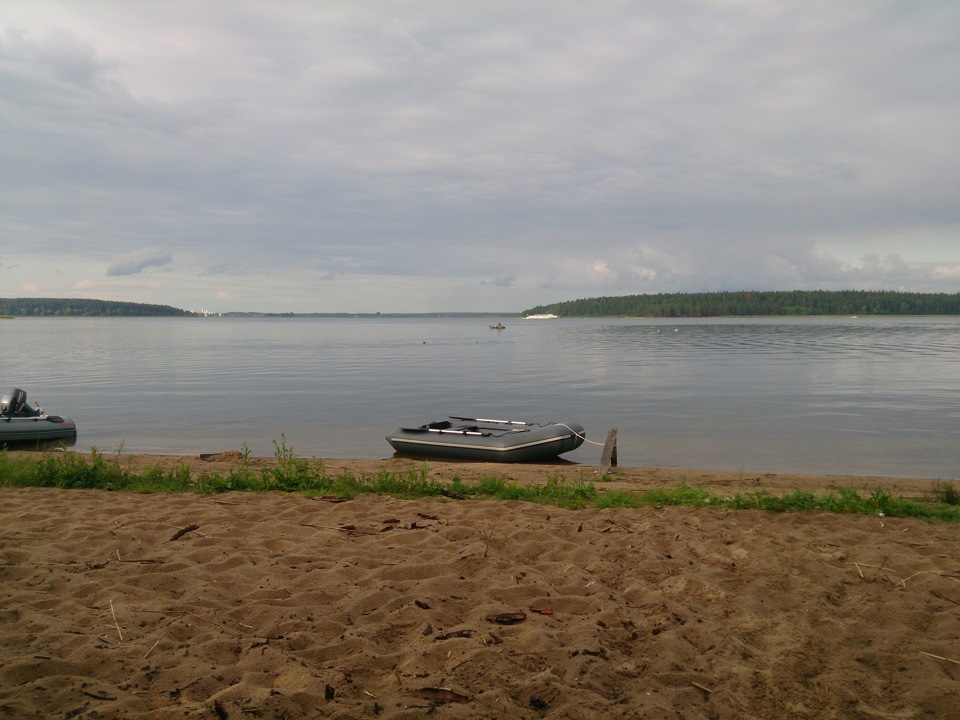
113, 612
146, 561
200, 617
154, 645
345, 528
943, 597
698, 686
903, 583
97, 696
940, 657
183, 531
877, 567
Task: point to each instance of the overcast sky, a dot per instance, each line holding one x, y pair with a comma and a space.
421, 156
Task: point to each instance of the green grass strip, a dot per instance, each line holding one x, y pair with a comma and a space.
310, 477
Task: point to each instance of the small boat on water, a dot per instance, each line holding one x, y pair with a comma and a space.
498, 326
509, 441
22, 425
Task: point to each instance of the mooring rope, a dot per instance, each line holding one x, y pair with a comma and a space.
582, 436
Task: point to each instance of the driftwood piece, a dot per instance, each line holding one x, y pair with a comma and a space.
608, 458
183, 531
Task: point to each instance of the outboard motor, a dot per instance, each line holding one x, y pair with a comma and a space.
13, 402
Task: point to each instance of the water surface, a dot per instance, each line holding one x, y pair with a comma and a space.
824, 395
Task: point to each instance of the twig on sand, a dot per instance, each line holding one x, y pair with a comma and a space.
903, 583
98, 696
859, 565
113, 612
342, 528
200, 617
698, 686
183, 531
943, 597
183, 613
940, 657
154, 646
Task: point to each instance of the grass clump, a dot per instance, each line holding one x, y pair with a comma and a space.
65, 470
946, 493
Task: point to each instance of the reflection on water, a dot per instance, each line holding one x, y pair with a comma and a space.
830, 395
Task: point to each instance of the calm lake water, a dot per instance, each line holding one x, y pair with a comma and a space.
858, 396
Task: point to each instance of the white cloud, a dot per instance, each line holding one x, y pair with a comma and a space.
950, 272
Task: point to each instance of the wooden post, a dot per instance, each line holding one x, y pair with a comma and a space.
608, 458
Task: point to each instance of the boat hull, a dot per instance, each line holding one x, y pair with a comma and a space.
488, 440
36, 432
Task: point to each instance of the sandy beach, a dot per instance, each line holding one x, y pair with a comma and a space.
119, 605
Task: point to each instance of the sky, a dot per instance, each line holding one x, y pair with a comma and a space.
429, 155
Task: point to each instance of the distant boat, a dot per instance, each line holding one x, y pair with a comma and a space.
498, 326
546, 316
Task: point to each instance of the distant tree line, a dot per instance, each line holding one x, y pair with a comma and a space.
79, 307
750, 303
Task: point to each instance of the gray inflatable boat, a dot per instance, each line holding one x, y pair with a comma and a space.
509, 441
23, 426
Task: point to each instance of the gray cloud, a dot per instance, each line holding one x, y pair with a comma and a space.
625, 147
138, 262
501, 281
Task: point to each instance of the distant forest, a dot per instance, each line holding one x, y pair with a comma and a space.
78, 307
748, 303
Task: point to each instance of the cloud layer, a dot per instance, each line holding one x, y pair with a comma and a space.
426, 156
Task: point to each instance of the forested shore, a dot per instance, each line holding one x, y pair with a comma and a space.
757, 303
706, 304
81, 307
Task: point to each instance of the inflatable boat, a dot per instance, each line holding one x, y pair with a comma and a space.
22, 425
509, 441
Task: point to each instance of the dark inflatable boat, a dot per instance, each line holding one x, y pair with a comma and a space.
23, 426
510, 441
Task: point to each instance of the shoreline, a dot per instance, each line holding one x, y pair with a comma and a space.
627, 479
